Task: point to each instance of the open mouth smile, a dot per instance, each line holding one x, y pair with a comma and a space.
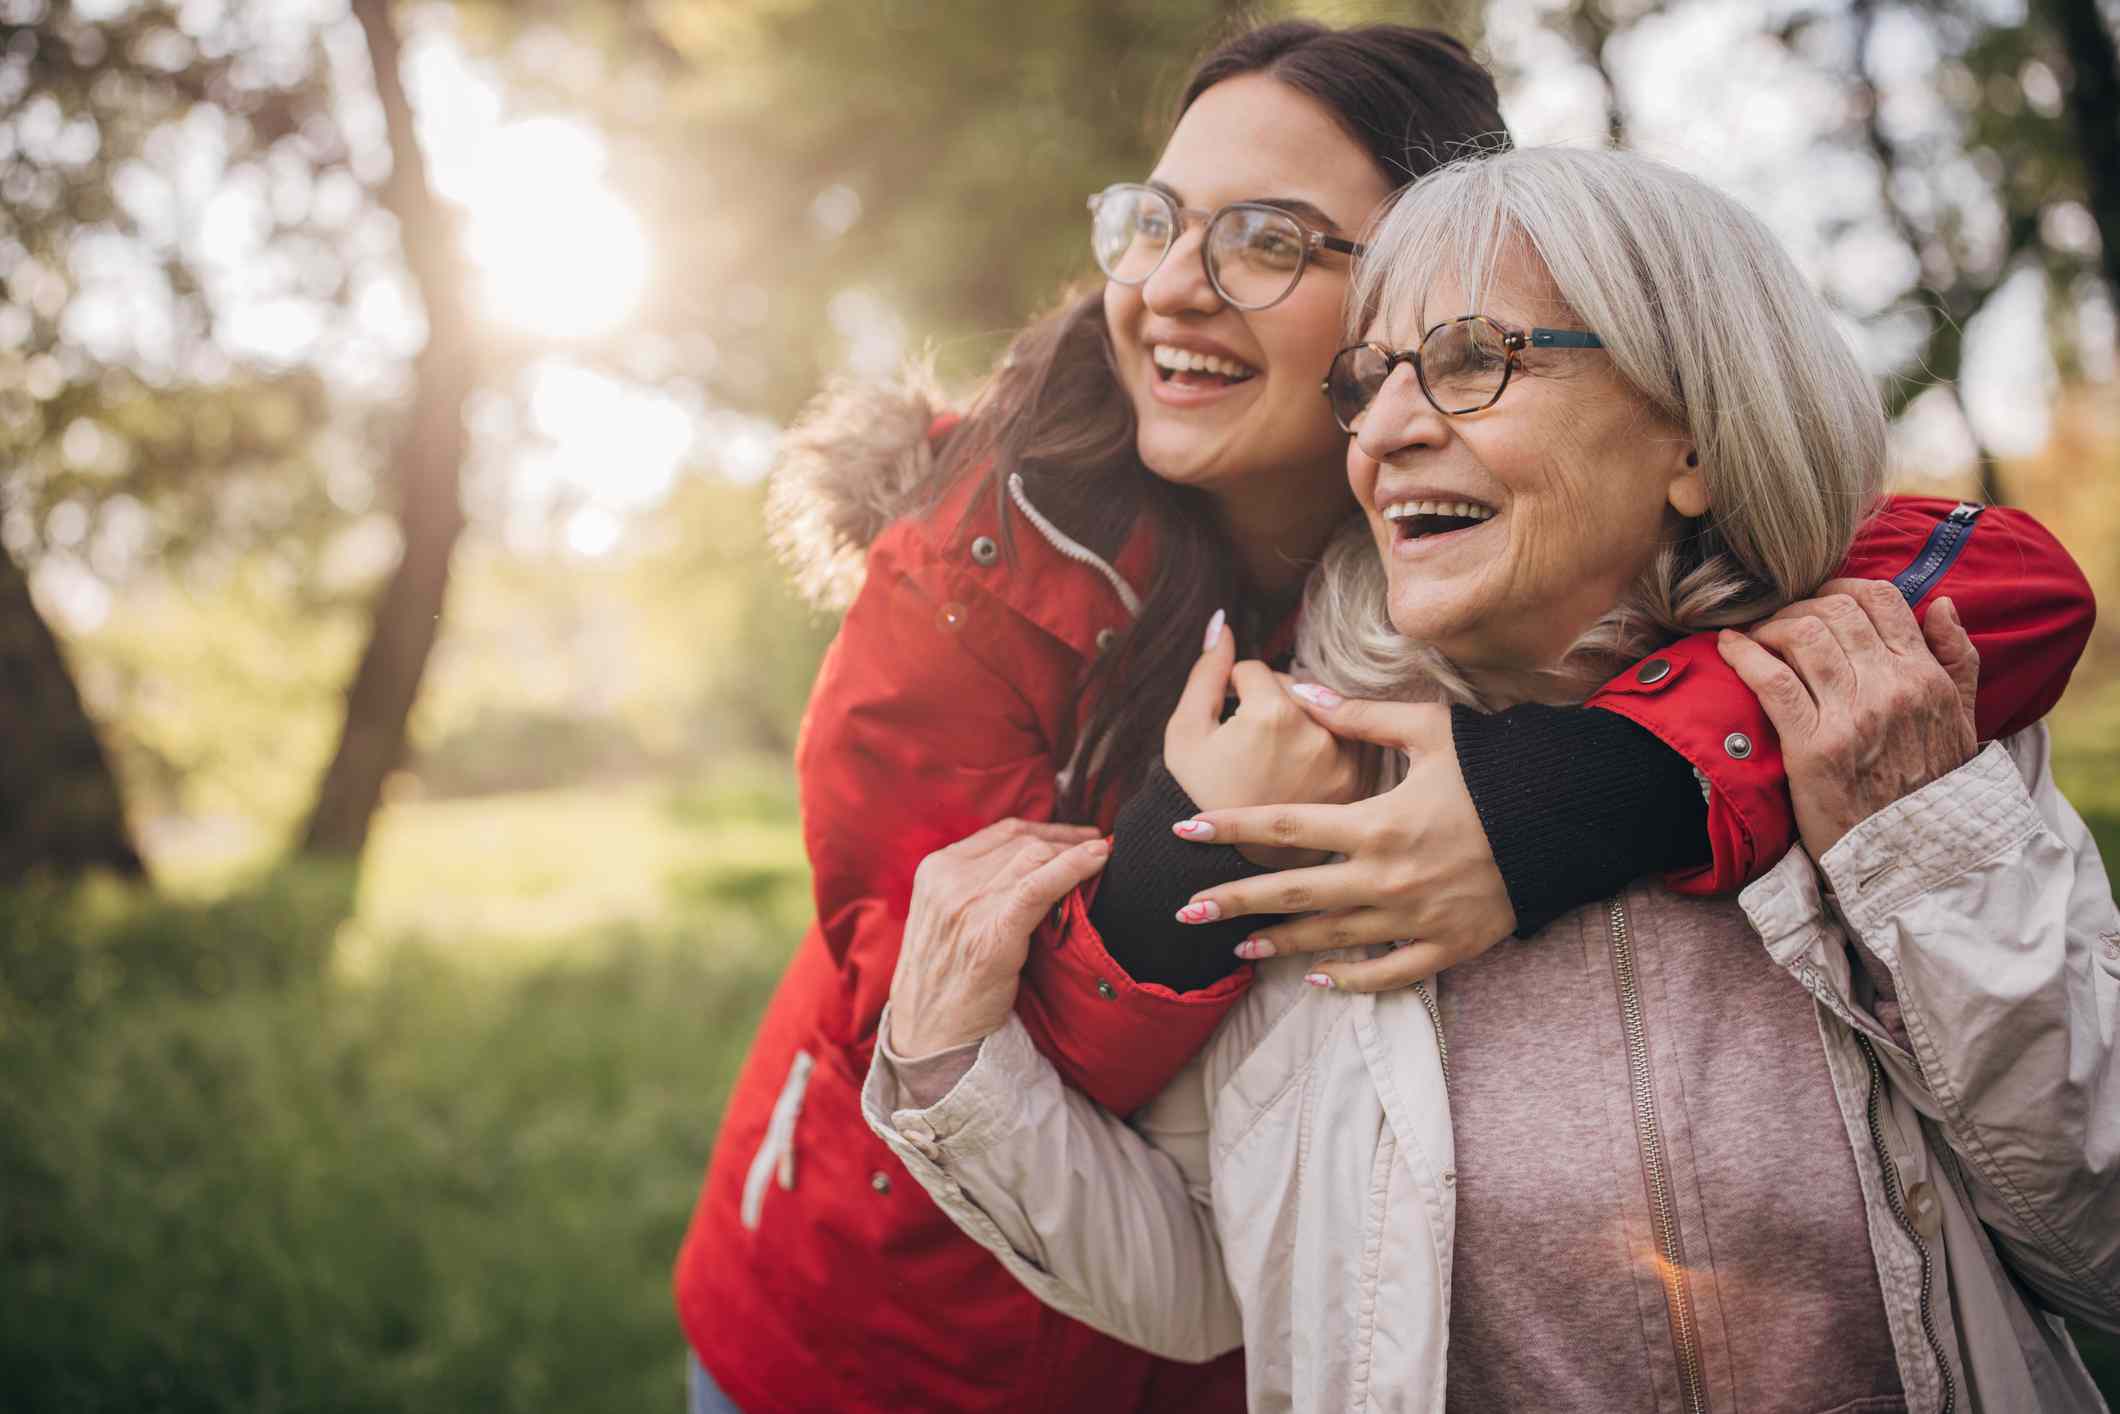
1430, 519
1187, 368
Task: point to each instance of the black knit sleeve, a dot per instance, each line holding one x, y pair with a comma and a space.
1576, 802
1151, 875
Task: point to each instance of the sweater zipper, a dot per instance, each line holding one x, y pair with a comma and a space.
1670, 1252
1897, 1203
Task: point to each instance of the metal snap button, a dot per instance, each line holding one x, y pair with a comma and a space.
1655, 670
1738, 745
1106, 990
880, 1181
985, 551
1106, 637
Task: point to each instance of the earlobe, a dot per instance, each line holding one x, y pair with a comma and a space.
1688, 492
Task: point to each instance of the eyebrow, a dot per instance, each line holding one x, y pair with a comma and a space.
1293, 205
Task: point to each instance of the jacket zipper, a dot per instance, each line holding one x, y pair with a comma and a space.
775, 1158
1073, 549
1442, 1043
1897, 1203
1670, 1252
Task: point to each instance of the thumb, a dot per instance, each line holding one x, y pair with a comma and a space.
1396, 724
1199, 707
1954, 649
1036, 892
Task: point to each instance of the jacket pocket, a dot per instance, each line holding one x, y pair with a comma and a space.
776, 1152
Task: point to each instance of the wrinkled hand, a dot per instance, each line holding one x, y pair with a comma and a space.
1871, 705
1418, 868
1268, 752
969, 928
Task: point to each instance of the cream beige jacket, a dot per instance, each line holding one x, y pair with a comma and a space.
1292, 1190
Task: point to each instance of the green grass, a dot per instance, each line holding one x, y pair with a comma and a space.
449, 1175
438, 1156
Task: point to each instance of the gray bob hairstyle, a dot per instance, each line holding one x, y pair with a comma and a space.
1709, 321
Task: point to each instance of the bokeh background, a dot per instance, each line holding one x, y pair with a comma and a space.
396, 833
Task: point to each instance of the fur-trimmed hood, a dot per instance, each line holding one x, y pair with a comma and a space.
857, 459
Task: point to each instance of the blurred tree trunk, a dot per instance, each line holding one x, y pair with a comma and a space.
2094, 113
59, 803
427, 470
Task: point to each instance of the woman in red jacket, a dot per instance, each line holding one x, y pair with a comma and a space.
1033, 583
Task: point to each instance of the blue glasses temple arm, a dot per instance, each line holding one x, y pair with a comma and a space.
1565, 339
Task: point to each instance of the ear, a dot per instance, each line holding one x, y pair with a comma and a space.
1688, 490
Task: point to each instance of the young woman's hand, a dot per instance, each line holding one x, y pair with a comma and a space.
1418, 869
1871, 705
1269, 752
968, 930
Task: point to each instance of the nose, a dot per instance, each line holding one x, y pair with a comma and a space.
1180, 284
1400, 418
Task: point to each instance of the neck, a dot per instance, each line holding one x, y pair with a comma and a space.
1279, 539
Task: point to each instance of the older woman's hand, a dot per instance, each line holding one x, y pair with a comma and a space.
1871, 705
1418, 868
968, 930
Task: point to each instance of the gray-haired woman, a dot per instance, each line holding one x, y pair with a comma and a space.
1845, 1143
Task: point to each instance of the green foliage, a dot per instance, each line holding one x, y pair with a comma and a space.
453, 1178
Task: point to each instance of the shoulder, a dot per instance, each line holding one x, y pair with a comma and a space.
861, 458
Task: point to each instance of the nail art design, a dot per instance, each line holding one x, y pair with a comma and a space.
1318, 979
1316, 694
1252, 949
1194, 830
1214, 631
1203, 911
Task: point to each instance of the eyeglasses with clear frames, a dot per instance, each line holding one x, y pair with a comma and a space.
1253, 252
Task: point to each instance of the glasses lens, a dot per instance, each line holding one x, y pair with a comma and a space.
1462, 364
1255, 254
1130, 230
1356, 377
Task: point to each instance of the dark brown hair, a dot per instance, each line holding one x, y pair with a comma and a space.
1055, 412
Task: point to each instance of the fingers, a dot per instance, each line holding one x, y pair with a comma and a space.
1334, 829
1811, 648
1036, 892
1257, 686
1401, 967
1407, 725
1324, 932
1843, 619
1290, 891
1003, 833
1946, 637
1787, 701
1199, 707
1887, 609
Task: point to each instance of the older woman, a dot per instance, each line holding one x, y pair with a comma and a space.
1841, 1144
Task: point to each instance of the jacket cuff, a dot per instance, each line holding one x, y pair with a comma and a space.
1151, 875
1117, 1040
977, 1111
1924, 840
1576, 804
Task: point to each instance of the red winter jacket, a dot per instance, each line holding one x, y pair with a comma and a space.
816, 1274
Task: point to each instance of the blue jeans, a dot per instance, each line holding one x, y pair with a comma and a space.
702, 1395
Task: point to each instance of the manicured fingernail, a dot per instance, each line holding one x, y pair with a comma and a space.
1251, 949
1318, 979
1194, 829
1214, 631
1205, 911
1316, 694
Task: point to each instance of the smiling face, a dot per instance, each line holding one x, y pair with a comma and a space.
1227, 399
1506, 533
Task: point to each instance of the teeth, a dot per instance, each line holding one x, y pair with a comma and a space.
1464, 509
1179, 360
